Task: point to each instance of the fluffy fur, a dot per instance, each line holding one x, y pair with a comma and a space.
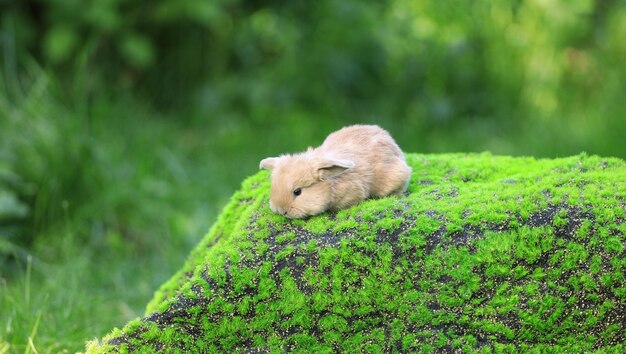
353, 163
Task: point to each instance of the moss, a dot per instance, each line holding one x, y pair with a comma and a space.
487, 254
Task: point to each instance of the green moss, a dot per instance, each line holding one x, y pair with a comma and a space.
483, 254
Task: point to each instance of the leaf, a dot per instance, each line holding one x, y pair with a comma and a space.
59, 43
11, 206
137, 49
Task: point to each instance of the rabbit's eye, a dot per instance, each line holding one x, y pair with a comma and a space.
297, 191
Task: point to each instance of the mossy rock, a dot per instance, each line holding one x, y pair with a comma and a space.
483, 254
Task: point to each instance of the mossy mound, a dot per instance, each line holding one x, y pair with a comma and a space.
483, 254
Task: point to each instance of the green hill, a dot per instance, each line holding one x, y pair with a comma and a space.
484, 253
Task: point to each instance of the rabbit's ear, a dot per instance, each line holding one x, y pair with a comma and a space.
329, 168
268, 163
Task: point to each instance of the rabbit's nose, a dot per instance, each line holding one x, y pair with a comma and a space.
277, 209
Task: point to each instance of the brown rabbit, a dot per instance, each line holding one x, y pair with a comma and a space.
353, 163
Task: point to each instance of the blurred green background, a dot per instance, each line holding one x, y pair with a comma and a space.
126, 125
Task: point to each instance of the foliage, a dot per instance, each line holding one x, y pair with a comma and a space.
495, 68
125, 125
98, 208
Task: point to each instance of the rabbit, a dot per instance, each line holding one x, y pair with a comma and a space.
352, 164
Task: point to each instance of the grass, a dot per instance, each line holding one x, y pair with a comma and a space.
101, 201
49, 316
115, 198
